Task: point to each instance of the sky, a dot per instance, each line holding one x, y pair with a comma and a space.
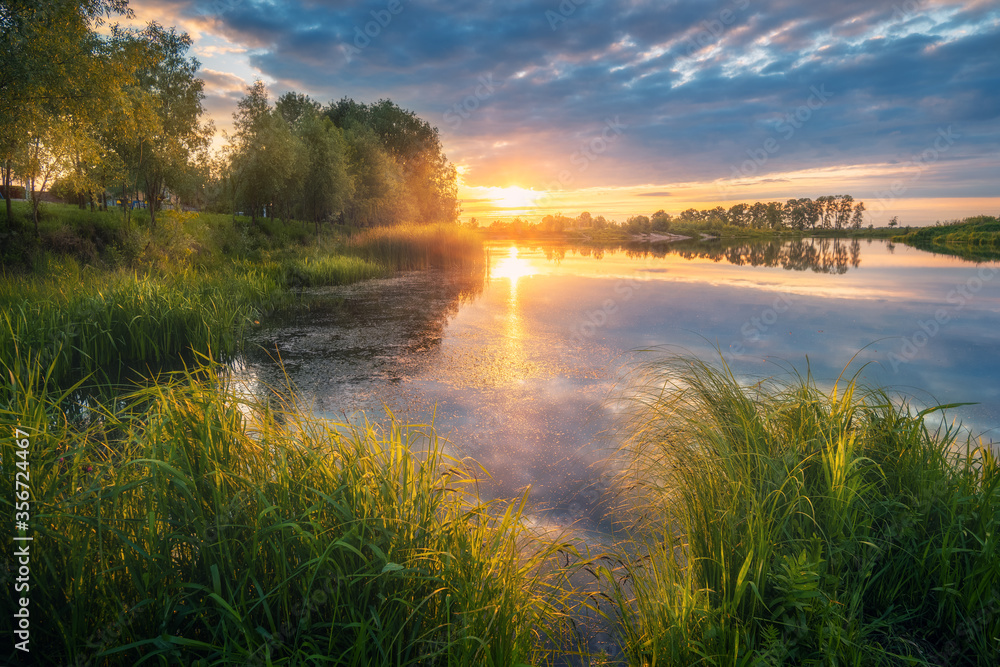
624, 108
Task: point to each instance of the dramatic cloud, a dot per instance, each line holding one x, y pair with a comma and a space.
731, 93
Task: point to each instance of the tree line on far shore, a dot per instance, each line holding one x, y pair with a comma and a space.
96, 112
827, 212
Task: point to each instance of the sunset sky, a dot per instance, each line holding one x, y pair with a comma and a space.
628, 107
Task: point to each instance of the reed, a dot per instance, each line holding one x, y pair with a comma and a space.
185, 523
778, 524
411, 246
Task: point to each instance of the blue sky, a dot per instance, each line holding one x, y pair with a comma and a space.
616, 107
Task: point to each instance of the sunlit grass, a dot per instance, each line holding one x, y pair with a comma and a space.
182, 522
778, 524
403, 247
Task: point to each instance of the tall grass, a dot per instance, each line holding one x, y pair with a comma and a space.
186, 524
411, 246
778, 524
87, 320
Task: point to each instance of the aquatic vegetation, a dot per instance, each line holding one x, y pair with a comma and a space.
976, 238
184, 522
405, 247
189, 286
778, 524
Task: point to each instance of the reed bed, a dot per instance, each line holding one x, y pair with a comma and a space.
412, 246
774, 523
182, 523
87, 320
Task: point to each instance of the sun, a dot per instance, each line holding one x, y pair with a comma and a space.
514, 197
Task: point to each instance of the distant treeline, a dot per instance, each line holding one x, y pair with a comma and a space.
100, 114
828, 212
820, 255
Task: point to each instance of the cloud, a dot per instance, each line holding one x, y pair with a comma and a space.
699, 85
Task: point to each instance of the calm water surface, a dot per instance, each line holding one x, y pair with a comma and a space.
515, 366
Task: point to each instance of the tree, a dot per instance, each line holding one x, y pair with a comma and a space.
327, 187
844, 206
739, 215
295, 107
894, 221
660, 221
168, 147
639, 224
263, 152
379, 187
52, 64
429, 180
859, 215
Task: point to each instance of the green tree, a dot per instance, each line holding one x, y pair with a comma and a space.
52, 64
429, 180
263, 152
379, 196
169, 148
327, 186
639, 224
660, 221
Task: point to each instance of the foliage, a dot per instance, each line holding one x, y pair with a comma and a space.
776, 524
976, 238
187, 522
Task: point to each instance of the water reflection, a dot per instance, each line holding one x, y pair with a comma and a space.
821, 255
515, 362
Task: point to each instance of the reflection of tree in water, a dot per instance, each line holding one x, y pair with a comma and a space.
822, 255
380, 329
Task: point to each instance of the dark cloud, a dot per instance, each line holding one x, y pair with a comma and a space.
701, 87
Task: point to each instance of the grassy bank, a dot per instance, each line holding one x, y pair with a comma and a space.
93, 295
976, 238
185, 524
770, 524
776, 524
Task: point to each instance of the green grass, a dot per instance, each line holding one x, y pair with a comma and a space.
406, 247
148, 297
778, 524
184, 523
976, 238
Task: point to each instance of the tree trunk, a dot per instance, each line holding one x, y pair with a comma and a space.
6, 191
35, 201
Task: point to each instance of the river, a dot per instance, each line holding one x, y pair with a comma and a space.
515, 364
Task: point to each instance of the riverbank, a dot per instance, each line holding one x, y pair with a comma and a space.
92, 295
976, 238
183, 518
680, 232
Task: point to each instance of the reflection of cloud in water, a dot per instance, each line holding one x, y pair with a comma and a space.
496, 361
